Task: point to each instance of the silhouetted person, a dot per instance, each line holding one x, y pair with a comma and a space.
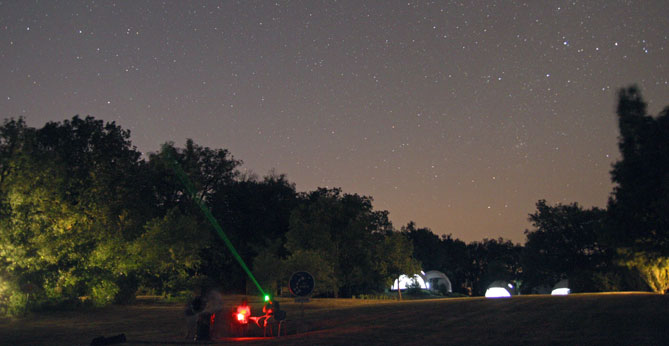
203, 326
192, 312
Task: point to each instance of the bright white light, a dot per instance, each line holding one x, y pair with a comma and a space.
510, 285
497, 292
561, 291
405, 282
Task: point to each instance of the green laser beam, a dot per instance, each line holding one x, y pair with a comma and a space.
207, 213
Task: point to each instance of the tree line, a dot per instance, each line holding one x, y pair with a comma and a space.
84, 214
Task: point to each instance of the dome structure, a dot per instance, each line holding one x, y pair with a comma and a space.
435, 279
404, 282
561, 288
500, 289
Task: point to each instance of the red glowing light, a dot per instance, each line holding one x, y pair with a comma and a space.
242, 314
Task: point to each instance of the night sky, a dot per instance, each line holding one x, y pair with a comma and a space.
457, 115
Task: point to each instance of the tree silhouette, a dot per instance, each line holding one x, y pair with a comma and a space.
638, 208
639, 204
565, 243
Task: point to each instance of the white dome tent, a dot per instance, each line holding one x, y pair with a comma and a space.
499, 289
434, 279
561, 288
404, 282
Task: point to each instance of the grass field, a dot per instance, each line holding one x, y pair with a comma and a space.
583, 319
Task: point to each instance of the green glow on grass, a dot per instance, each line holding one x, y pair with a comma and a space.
191, 190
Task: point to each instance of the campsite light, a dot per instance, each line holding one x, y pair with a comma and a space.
266, 297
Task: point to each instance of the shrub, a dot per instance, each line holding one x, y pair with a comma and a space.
382, 296
104, 293
13, 301
415, 290
653, 270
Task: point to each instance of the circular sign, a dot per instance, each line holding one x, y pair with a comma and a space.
301, 284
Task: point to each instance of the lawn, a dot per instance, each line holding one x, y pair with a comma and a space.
602, 319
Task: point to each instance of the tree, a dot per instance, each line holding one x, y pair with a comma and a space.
256, 215
313, 224
565, 243
639, 205
426, 246
207, 172
313, 262
652, 269
638, 208
395, 258
69, 204
13, 139
491, 260
455, 261
341, 228
170, 252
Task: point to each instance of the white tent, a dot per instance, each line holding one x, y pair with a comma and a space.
499, 289
405, 282
561, 288
434, 279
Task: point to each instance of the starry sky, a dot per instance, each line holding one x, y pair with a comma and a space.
457, 115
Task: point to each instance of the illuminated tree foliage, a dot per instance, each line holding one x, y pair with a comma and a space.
652, 269
395, 251
67, 209
169, 252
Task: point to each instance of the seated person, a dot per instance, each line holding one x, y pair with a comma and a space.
268, 308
